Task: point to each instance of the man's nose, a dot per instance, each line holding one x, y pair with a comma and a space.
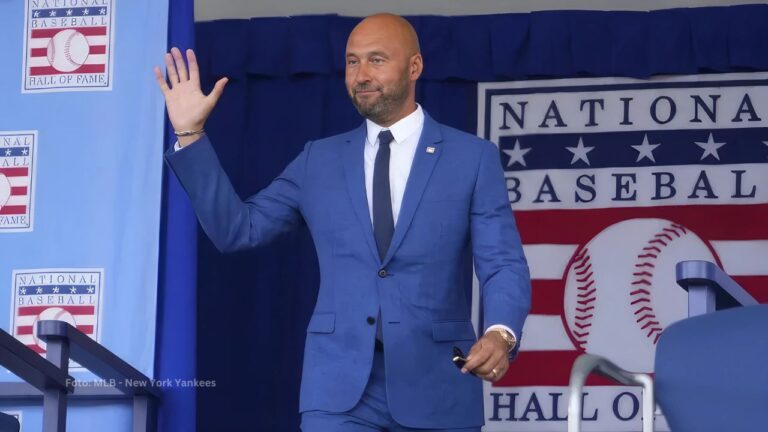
363, 73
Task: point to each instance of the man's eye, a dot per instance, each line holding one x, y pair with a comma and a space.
377, 60
351, 62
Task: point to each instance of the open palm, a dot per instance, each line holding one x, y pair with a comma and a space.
188, 108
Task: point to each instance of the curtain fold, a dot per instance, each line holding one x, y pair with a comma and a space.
508, 46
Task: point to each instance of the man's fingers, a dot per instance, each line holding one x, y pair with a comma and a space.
494, 370
194, 69
501, 370
170, 69
487, 361
476, 358
493, 361
161, 80
181, 67
218, 89
476, 348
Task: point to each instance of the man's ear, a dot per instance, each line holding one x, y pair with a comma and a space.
417, 66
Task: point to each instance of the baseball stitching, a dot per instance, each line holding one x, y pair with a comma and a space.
585, 297
67, 54
640, 297
52, 54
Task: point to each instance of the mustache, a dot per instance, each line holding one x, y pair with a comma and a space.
365, 88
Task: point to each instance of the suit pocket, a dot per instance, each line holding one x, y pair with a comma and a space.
452, 331
322, 323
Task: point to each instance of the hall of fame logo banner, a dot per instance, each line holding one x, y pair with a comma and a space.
70, 295
68, 45
18, 152
614, 181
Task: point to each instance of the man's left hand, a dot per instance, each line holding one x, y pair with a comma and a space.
488, 358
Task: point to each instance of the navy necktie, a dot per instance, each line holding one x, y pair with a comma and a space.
383, 221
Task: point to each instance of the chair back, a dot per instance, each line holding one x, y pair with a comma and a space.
8, 423
712, 372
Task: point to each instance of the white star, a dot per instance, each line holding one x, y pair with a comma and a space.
73, 290
24, 152
8, 152
710, 147
23, 290
36, 14
645, 150
39, 290
53, 13
55, 290
517, 154
103, 11
91, 289
86, 11
580, 152
69, 12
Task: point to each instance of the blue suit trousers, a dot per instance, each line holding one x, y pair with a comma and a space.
371, 414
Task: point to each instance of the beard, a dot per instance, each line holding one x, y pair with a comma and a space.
380, 108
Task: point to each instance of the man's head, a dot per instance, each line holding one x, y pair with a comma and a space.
383, 63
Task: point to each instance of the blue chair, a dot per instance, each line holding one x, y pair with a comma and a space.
711, 368
8, 423
712, 372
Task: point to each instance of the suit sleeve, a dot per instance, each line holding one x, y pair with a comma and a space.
501, 267
231, 223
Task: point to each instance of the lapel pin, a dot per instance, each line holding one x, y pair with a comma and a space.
430, 150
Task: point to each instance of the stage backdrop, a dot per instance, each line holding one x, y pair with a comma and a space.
81, 135
612, 180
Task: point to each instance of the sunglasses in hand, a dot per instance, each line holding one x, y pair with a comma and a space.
459, 360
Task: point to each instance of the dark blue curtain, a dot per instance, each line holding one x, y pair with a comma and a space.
177, 301
287, 87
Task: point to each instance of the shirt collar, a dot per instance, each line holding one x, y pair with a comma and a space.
401, 130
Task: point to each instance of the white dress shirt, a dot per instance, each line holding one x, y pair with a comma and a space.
402, 149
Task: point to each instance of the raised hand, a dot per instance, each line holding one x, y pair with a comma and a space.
188, 108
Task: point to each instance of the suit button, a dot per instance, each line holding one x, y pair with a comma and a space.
383, 273
371, 320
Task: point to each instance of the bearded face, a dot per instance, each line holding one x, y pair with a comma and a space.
380, 101
383, 64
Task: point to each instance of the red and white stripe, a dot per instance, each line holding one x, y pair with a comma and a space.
18, 178
26, 316
96, 62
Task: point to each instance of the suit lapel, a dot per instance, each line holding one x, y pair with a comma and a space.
423, 163
354, 174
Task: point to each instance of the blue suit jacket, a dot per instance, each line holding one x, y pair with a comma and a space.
455, 208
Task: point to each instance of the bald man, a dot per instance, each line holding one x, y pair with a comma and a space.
398, 209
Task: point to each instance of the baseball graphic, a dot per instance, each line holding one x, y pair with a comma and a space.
67, 50
621, 290
5, 190
54, 313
